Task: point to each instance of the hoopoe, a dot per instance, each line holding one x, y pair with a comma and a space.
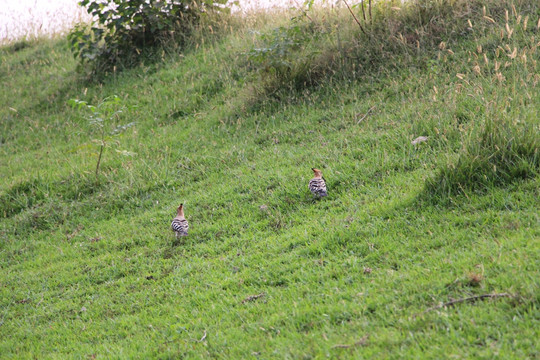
317, 185
179, 224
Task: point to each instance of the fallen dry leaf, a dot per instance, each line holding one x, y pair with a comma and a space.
419, 140
252, 297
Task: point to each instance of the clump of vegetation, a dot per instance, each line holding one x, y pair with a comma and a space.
500, 144
363, 41
348, 42
498, 151
283, 54
124, 30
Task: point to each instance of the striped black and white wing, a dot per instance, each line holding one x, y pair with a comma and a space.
180, 227
318, 187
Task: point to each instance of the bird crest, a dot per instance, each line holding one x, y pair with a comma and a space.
180, 210
317, 172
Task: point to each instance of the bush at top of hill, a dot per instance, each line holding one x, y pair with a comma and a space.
123, 30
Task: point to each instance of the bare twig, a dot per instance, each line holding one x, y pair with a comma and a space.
40, 301
361, 342
100, 152
468, 299
203, 337
252, 297
463, 191
355, 18
370, 17
304, 11
366, 114
363, 10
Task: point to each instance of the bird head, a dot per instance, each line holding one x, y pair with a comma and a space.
180, 210
317, 172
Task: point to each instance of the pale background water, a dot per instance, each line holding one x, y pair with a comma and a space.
30, 18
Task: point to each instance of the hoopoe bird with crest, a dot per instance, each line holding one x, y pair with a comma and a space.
179, 224
317, 185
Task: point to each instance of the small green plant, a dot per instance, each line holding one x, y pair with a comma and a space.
100, 118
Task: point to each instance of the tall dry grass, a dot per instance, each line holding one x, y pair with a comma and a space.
500, 144
31, 20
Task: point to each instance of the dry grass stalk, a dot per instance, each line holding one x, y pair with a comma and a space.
468, 299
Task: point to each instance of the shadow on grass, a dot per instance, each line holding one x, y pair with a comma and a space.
34, 192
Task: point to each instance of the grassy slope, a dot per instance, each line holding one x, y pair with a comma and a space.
94, 270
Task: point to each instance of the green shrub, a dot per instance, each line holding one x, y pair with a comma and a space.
124, 30
281, 52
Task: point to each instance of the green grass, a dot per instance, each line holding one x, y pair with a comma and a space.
90, 268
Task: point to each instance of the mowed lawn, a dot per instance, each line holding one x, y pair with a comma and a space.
91, 269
